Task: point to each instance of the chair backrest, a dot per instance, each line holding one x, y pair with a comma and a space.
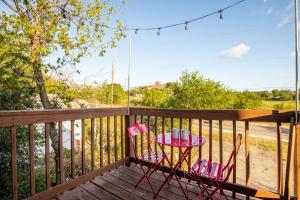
138, 129
234, 151
231, 162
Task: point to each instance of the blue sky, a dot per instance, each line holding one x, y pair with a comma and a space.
251, 49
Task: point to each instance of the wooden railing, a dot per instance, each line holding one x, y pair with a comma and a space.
214, 120
113, 145
52, 122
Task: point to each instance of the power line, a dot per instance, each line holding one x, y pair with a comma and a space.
185, 23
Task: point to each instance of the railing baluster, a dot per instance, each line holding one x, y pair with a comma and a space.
31, 157
93, 143
47, 155
163, 132
101, 141
72, 150
148, 127
180, 127
247, 154
200, 136
221, 140
279, 159
142, 138
135, 138
210, 140
115, 138
61, 153
14, 166
189, 156
234, 154
82, 147
172, 150
155, 131
122, 136
108, 140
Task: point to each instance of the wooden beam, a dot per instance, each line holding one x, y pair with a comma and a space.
129, 120
13, 118
288, 162
279, 159
14, 165
297, 161
232, 115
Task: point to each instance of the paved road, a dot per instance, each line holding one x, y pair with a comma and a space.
255, 129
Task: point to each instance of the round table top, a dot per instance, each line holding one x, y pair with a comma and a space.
167, 140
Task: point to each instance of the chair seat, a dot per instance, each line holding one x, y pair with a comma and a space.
153, 156
209, 169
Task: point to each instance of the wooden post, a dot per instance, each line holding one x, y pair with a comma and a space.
279, 159
297, 161
129, 120
288, 163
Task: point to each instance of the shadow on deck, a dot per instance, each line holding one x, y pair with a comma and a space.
119, 184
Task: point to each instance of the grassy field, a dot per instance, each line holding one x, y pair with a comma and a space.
269, 105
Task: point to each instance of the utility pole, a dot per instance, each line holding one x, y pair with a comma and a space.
296, 60
129, 68
112, 81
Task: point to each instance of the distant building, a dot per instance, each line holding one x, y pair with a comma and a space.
157, 85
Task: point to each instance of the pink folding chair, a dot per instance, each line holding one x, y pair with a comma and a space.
154, 157
217, 173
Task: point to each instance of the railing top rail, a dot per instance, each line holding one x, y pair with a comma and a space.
13, 118
283, 116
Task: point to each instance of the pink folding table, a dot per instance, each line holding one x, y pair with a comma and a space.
167, 139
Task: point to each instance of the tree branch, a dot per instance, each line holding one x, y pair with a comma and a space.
9, 6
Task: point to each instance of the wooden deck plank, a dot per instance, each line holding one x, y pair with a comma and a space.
119, 184
172, 187
169, 191
118, 191
132, 181
98, 192
142, 193
78, 194
192, 186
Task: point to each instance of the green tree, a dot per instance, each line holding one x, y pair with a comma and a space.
119, 94
193, 91
247, 100
155, 98
16, 93
68, 30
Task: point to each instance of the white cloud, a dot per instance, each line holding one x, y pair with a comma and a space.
269, 11
290, 5
292, 54
236, 51
285, 21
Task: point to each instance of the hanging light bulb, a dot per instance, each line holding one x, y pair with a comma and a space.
186, 26
136, 31
158, 31
221, 15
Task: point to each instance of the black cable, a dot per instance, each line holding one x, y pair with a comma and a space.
220, 11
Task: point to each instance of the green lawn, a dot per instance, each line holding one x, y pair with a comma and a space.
270, 105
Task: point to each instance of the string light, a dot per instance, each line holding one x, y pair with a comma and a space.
158, 31
158, 28
221, 15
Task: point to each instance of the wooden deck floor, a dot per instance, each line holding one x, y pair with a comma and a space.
119, 184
